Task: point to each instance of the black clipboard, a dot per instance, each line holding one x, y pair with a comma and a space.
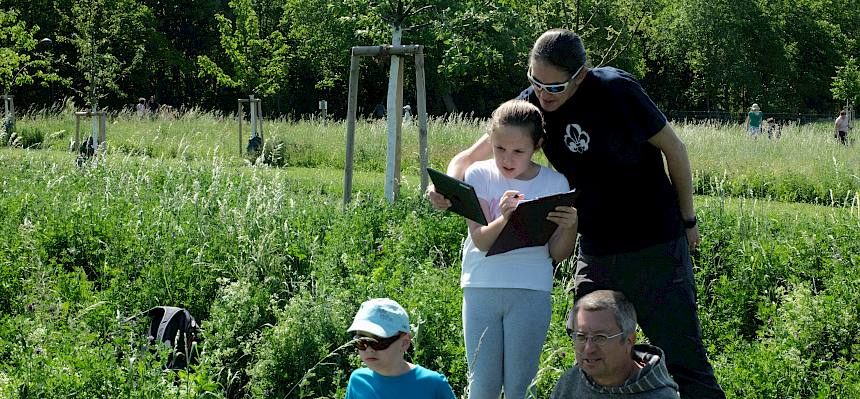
527, 225
463, 199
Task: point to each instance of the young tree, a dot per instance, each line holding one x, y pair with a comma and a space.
846, 83
255, 61
110, 38
608, 27
21, 62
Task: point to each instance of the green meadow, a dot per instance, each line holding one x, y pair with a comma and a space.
273, 265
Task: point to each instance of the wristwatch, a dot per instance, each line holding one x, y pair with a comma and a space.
690, 223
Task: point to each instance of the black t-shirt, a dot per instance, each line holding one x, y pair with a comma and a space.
599, 140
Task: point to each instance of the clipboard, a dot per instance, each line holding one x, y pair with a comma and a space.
527, 226
462, 195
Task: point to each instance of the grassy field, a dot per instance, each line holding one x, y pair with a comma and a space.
805, 165
274, 266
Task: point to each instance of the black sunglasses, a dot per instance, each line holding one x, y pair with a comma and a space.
378, 344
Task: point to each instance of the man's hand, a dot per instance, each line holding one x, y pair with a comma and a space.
564, 216
693, 238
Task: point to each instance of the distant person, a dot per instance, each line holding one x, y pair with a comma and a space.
382, 335
166, 112
141, 107
609, 364
774, 129
507, 305
379, 111
843, 125
753, 121
153, 106
407, 113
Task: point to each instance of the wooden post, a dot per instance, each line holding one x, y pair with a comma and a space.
323, 107
77, 143
260, 118
9, 108
102, 128
94, 131
100, 123
252, 114
395, 114
255, 114
351, 107
422, 117
395, 120
239, 118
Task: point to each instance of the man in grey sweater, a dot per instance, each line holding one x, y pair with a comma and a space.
609, 363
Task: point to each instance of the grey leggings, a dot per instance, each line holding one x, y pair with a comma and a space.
505, 329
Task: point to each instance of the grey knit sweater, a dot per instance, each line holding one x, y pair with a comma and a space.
652, 381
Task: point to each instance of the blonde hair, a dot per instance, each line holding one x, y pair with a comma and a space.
519, 113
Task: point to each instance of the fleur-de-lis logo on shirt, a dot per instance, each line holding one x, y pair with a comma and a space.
575, 139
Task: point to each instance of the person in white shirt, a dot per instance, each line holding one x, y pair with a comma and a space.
506, 297
843, 125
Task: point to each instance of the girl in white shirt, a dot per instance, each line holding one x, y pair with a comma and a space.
506, 297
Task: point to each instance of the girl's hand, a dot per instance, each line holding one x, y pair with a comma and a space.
564, 216
509, 202
437, 200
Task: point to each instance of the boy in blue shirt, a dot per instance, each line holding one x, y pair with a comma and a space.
382, 339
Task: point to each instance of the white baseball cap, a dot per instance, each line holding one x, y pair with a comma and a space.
381, 317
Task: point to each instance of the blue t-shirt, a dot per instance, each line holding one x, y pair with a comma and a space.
418, 383
599, 140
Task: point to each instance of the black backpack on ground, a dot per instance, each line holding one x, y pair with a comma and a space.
176, 328
86, 150
255, 145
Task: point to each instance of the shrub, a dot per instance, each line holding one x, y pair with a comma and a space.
309, 329
30, 137
232, 332
275, 153
808, 348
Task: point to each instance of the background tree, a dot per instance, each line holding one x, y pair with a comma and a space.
608, 27
320, 34
254, 61
109, 39
846, 83
20, 60
814, 44
718, 55
471, 40
184, 30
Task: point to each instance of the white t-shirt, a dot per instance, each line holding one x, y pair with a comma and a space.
842, 125
527, 268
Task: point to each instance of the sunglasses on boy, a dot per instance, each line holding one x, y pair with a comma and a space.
553, 88
378, 344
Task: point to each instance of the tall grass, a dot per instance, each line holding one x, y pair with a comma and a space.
806, 164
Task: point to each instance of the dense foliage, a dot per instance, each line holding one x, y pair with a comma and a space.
690, 55
274, 267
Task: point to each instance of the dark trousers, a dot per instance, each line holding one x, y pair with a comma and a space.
659, 282
843, 137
